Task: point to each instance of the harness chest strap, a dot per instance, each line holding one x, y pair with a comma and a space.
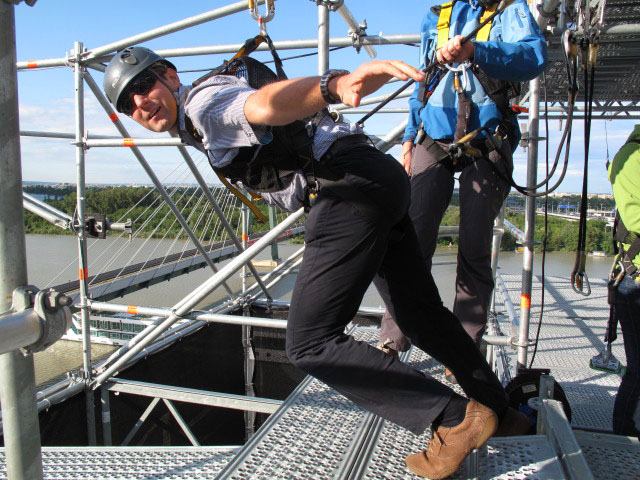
444, 23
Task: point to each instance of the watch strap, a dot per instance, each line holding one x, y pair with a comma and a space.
324, 84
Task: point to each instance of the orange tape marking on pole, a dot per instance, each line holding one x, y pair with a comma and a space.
83, 274
32, 64
128, 142
114, 117
132, 309
525, 301
245, 237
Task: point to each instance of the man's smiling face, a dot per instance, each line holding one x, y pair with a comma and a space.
156, 110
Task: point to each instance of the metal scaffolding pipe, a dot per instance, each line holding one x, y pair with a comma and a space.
83, 279
530, 223
17, 376
293, 45
19, 329
170, 28
234, 47
46, 211
71, 136
354, 29
203, 317
389, 141
511, 310
134, 142
189, 302
323, 37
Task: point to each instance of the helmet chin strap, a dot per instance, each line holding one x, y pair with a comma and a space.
173, 93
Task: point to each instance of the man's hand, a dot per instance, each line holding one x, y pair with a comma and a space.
407, 153
368, 78
455, 51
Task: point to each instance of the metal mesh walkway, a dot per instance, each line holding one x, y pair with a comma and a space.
572, 332
148, 463
318, 434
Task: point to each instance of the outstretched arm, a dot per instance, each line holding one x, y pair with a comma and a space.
283, 102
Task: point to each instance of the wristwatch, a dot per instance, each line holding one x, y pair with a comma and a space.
324, 85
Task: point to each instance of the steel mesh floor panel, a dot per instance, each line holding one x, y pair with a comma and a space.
572, 333
148, 463
611, 456
560, 299
312, 438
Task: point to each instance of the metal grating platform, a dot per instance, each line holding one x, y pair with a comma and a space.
148, 463
341, 441
572, 333
318, 434
610, 456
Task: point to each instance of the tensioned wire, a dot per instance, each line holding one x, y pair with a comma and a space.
156, 206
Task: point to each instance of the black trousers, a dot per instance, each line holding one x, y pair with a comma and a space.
482, 193
350, 241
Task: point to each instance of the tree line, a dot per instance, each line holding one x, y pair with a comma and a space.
562, 235
116, 202
152, 217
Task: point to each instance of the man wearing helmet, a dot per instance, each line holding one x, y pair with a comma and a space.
357, 229
469, 93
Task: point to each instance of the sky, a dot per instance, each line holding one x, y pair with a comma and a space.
49, 30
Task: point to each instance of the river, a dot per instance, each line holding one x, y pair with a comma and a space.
52, 260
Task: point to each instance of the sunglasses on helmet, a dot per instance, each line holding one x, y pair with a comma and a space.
140, 85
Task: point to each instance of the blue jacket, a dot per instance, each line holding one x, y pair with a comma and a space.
516, 51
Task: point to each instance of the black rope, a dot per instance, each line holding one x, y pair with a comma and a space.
267, 61
579, 278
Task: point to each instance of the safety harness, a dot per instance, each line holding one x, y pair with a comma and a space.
622, 236
269, 167
622, 265
464, 149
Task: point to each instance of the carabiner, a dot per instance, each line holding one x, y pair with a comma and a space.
580, 283
262, 19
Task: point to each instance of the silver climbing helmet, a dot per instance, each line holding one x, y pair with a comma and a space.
125, 66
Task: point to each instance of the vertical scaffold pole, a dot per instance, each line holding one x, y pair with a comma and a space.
495, 252
323, 38
529, 223
247, 346
83, 270
17, 374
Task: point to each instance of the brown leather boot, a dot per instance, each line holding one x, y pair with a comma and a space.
451, 378
513, 423
451, 445
386, 348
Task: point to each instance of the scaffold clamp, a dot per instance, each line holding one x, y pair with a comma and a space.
51, 307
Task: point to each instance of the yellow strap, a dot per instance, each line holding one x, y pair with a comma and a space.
443, 24
483, 34
444, 21
242, 198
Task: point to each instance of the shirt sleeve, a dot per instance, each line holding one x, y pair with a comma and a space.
216, 108
516, 50
427, 30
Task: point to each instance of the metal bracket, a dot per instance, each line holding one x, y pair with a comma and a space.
332, 5
356, 35
95, 225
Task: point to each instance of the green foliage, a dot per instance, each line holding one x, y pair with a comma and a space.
562, 235
118, 202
